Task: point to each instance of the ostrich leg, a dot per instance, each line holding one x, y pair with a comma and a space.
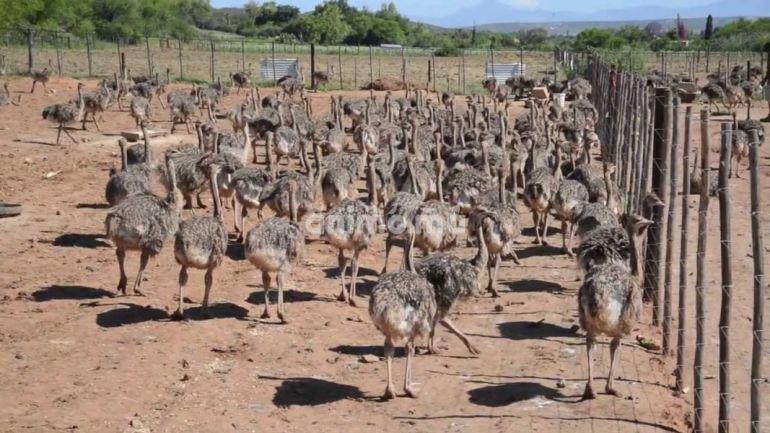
266, 286
183, 277
143, 259
389, 351
121, 254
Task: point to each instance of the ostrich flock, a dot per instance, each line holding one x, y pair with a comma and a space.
435, 171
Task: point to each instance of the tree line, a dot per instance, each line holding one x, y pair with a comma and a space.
337, 22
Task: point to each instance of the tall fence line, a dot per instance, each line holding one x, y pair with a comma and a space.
640, 135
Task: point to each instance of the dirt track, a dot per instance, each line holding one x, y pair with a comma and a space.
75, 358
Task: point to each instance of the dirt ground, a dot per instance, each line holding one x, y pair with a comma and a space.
77, 359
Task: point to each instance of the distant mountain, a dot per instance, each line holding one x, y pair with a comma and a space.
575, 27
496, 11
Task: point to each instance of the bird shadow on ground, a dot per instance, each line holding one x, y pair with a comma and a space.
528, 286
530, 231
80, 240
73, 292
538, 251
365, 350
510, 393
130, 314
308, 391
235, 251
224, 310
334, 272
92, 206
289, 296
533, 330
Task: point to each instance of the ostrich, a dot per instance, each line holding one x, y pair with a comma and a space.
367, 136
182, 107
276, 245
247, 184
192, 179
714, 93
608, 243
696, 176
141, 109
200, 243
286, 140
65, 113
338, 177
208, 98
434, 227
351, 225
321, 78
290, 86
5, 97
566, 199
740, 148
402, 307
41, 76
142, 222
609, 302
96, 102
241, 79
500, 225
541, 185
453, 279
399, 215
130, 180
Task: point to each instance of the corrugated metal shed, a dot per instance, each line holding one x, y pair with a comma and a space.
283, 67
503, 71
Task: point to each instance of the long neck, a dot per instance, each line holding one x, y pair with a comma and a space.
171, 169
370, 175
247, 141
317, 154
215, 193
293, 120
147, 151
608, 187
482, 256
200, 137
293, 202
439, 180
123, 155
412, 177
485, 159
269, 152
280, 116
501, 188
636, 260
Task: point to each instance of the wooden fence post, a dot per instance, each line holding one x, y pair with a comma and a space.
758, 253
463, 61
355, 70
243, 55
673, 184
272, 51
149, 55
312, 67
683, 287
403, 68
181, 68
655, 251
213, 66
30, 53
700, 277
727, 278
88, 54
339, 65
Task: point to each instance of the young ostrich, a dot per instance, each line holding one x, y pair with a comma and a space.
453, 279
740, 148
141, 109
276, 245
500, 224
609, 301
5, 97
567, 198
130, 180
351, 225
66, 113
201, 243
41, 77
402, 307
541, 185
242, 80
143, 222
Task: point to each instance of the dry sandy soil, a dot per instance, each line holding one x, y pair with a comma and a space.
75, 358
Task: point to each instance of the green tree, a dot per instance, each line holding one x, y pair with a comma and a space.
709, 28
327, 26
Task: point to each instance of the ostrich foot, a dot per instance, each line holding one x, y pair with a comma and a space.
412, 390
613, 391
588, 394
473, 349
352, 302
389, 394
178, 315
282, 318
265, 314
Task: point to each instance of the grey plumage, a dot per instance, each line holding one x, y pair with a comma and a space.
65, 114
130, 180
141, 109
200, 243
399, 216
276, 245
351, 225
540, 187
142, 222
403, 308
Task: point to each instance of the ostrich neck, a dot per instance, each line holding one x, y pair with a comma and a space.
123, 156
485, 159
412, 177
608, 187
293, 202
215, 193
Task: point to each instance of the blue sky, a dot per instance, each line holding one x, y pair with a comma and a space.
421, 8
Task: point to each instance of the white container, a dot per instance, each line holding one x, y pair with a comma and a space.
560, 98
